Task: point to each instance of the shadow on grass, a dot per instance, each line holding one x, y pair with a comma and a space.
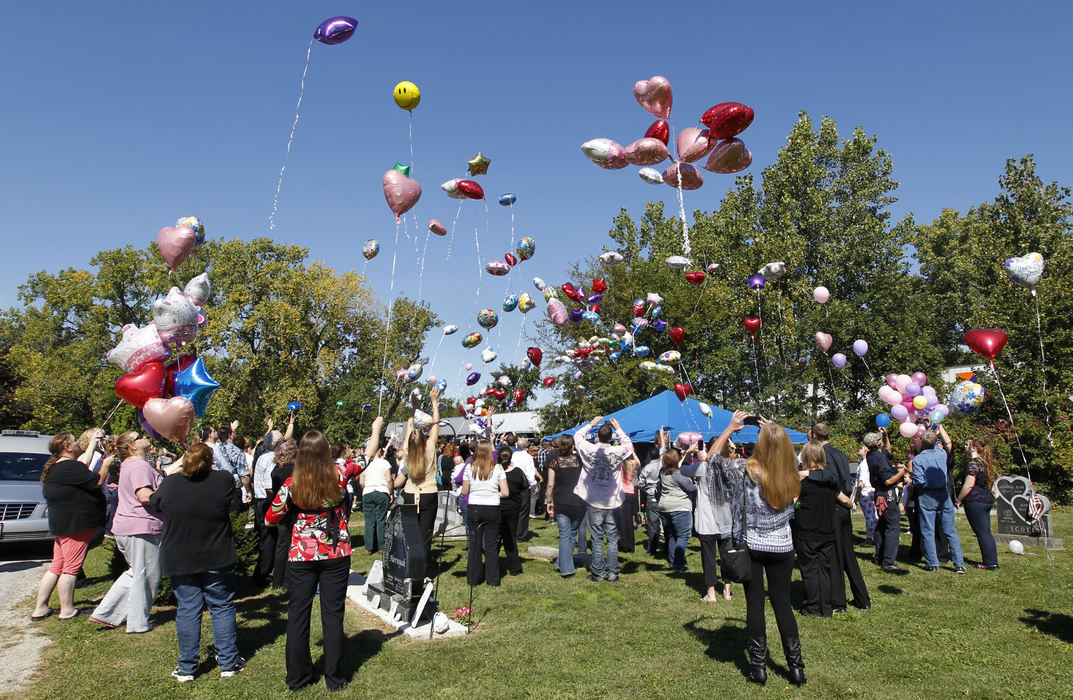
634, 566
889, 590
1058, 626
725, 644
361, 648
265, 618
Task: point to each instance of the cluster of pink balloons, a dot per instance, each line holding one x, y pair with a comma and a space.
911, 398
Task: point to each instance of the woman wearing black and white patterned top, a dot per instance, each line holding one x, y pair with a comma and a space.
771, 483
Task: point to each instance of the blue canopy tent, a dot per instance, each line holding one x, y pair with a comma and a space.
642, 420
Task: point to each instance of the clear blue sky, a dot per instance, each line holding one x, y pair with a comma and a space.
120, 117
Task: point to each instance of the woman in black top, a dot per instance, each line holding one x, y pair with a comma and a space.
198, 553
813, 529
510, 508
563, 504
76, 511
285, 450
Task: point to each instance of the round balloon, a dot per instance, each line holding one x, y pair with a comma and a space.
510, 303
611, 258
508, 199
497, 268
487, 318
967, 397
526, 248
757, 282
371, 248
406, 95
525, 303
882, 420
821, 294
471, 340
838, 360
860, 347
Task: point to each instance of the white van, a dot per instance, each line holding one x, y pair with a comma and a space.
23, 513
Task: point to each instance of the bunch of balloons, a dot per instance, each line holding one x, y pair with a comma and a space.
167, 395
911, 398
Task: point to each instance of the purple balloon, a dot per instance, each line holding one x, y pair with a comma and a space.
919, 377
576, 314
594, 298
146, 427
860, 347
659, 324
912, 389
473, 378
899, 412
335, 30
757, 282
838, 360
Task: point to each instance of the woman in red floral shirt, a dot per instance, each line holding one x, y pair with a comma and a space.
319, 556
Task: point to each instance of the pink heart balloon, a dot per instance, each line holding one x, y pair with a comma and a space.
172, 418
647, 151
729, 156
693, 144
401, 192
655, 95
176, 244
691, 177
823, 341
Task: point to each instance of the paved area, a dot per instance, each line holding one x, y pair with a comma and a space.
21, 646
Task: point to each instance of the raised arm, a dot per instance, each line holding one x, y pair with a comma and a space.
732, 427
372, 445
434, 431
86, 457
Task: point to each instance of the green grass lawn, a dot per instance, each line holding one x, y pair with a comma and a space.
981, 635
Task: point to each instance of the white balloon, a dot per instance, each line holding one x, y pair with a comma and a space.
1016, 547
651, 176
705, 409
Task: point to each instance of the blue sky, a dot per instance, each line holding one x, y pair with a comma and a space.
120, 117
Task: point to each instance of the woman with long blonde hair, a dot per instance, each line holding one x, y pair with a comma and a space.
417, 477
765, 485
485, 483
319, 556
977, 499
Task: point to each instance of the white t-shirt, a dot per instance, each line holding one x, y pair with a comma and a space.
524, 461
376, 476
863, 476
484, 492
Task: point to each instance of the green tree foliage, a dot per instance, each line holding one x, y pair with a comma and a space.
278, 328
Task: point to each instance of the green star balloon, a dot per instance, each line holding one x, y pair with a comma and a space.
404, 169
478, 164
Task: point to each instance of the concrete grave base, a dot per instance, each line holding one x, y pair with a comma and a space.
1042, 542
357, 591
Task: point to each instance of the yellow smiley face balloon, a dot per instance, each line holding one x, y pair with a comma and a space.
407, 96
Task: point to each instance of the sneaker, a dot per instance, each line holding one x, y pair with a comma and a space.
232, 672
182, 676
931, 568
992, 567
594, 577
894, 569
959, 570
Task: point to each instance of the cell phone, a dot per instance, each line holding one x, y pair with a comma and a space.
752, 420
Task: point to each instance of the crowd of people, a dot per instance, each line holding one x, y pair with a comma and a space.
171, 515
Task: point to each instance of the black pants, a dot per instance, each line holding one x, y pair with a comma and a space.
267, 536
888, 530
816, 559
521, 520
779, 568
484, 522
979, 517
845, 562
426, 520
303, 578
709, 545
508, 519
283, 550
625, 518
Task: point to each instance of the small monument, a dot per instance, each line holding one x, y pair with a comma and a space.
403, 568
1023, 514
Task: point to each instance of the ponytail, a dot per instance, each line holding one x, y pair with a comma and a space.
55, 446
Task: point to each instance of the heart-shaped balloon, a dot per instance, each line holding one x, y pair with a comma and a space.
693, 144
175, 317
696, 278
646, 151
571, 292
677, 335
823, 341
986, 342
470, 189
488, 355
684, 175
548, 381
518, 395
682, 391
138, 346
605, 153
655, 95
1025, 270
500, 394
659, 130
727, 119
599, 285
171, 418
752, 325
401, 192
147, 383
729, 156
437, 227
175, 244
536, 355
511, 260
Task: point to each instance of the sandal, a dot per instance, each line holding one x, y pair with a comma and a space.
38, 618
70, 617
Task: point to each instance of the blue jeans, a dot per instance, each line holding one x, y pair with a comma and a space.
216, 591
678, 526
568, 528
602, 523
932, 503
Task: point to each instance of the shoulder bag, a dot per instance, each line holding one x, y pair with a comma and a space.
737, 561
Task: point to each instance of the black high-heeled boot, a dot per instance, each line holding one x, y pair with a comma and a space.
791, 646
758, 657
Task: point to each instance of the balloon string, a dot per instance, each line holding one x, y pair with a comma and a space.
870, 375
1016, 437
411, 139
760, 315
421, 275
451, 241
294, 126
521, 332
387, 326
686, 248
480, 268
756, 369
511, 227
831, 376
778, 334
1043, 370
111, 414
432, 365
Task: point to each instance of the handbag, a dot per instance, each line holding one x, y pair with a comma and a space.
737, 561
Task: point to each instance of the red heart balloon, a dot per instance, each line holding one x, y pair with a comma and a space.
682, 391
677, 335
471, 400
462, 410
659, 130
752, 325
727, 119
138, 387
511, 260
548, 381
639, 310
986, 342
519, 396
500, 394
595, 308
599, 285
570, 291
470, 189
696, 278
174, 368
535, 355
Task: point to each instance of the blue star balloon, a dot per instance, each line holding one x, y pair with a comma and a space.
194, 383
